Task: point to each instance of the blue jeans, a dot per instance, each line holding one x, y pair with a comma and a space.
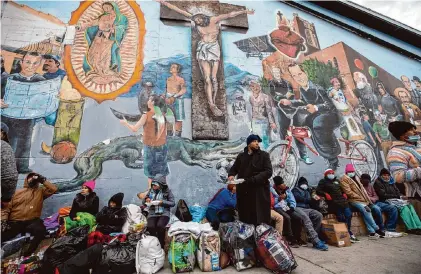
344, 215
376, 212
392, 214
368, 218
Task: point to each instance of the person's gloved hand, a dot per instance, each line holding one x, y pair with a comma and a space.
328, 197
345, 196
367, 208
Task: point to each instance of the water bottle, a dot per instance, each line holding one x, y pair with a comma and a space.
215, 262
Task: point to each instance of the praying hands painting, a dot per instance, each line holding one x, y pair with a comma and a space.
107, 53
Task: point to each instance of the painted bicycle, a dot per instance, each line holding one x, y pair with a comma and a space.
286, 162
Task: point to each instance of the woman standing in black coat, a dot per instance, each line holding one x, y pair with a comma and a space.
253, 195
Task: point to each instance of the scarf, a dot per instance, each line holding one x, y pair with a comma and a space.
157, 196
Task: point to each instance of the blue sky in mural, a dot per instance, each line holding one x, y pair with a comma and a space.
165, 41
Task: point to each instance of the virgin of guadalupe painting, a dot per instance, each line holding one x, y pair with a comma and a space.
101, 57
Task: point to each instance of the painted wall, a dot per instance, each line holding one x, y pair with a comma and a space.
74, 128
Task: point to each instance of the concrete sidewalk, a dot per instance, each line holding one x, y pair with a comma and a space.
398, 255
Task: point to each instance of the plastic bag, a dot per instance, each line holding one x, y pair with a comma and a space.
182, 212
64, 248
197, 212
118, 258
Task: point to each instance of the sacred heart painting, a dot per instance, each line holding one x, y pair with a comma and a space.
106, 58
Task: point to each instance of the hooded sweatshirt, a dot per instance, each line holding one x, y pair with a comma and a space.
112, 219
167, 199
224, 199
85, 203
302, 197
27, 202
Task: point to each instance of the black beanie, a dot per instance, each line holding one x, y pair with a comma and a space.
253, 137
118, 199
399, 128
384, 171
302, 181
278, 180
365, 176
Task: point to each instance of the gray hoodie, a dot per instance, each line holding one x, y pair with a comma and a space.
9, 172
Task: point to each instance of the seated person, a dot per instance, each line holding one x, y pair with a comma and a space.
388, 192
297, 212
291, 228
358, 198
390, 210
84, 208
23, 213
109, 220
221, 207
85, 201
161, 200
277, 218
330, 188
302, 196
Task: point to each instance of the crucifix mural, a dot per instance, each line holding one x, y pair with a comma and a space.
207, 18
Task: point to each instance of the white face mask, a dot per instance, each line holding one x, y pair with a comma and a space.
351, 174
331, 176
304, 187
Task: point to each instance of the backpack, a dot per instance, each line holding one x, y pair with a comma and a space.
209, 251
273, 251
150, 256
181, 254
238, 242
182, 212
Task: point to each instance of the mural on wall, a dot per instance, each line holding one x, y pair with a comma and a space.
106, 57
178, 102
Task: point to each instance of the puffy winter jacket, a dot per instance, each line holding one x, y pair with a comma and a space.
112, 219
82, 203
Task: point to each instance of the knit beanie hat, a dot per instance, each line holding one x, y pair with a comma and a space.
117, 199
349, 168
253, 137
329, 171
302, 181
399, 128
90, 185
278, 180
365, 176
384, 171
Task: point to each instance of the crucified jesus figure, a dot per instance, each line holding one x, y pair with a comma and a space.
208, 51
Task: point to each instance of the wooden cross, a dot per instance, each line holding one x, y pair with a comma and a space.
209, 106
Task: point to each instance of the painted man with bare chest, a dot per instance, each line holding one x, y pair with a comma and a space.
208, 51
176, 88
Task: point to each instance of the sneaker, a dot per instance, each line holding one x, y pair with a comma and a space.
307, 160
354, 239
373, 236
320, 246
302, 243
381, 233
293, 244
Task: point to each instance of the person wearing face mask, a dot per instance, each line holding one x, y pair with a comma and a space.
390, 210
389, 194
23, 213
330, 189
253, 195
311, 228
302, 196
358, 198
404, 160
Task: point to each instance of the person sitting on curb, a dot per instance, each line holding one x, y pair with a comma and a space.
159, 199
86, 201
390, 210
388, 192
358, 198
277, 218
221, 207
23, 213
330, 188
302, 196
297, 212
109, 220
404, 160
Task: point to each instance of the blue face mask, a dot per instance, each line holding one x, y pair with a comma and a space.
413, 139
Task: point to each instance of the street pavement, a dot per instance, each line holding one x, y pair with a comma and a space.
397, 255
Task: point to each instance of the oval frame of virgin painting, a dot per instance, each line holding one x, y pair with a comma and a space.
100, 63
